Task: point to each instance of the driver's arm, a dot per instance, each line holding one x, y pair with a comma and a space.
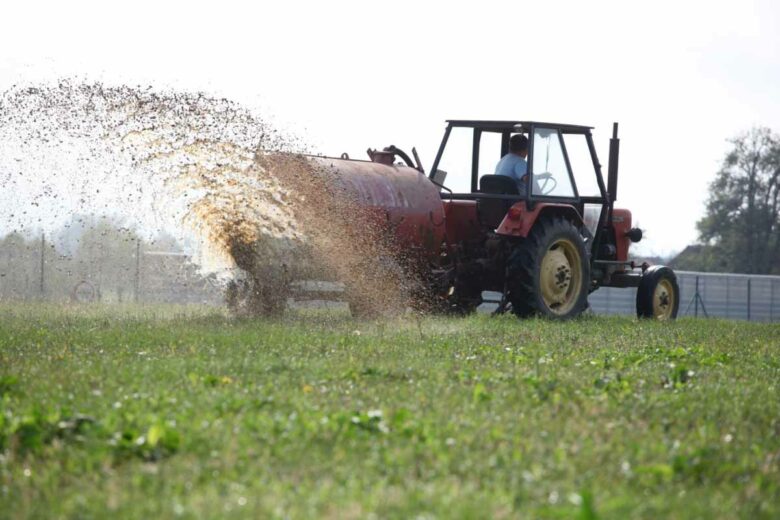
521, 173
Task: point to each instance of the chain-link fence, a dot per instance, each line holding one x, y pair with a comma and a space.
721, 295
141, 272
112, 272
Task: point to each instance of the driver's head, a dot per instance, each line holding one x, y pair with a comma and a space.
518, 144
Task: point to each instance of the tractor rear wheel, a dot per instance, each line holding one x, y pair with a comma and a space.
550, 271
658, 295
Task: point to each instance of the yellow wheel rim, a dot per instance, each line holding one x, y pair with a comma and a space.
663, 300
561, 276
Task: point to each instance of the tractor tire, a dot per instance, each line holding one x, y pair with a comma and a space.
658, 295
549, 272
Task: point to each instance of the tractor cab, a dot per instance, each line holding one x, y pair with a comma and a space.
562, 168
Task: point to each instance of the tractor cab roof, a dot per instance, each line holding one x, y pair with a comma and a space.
516, 126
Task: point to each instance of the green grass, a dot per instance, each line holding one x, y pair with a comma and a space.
166, 412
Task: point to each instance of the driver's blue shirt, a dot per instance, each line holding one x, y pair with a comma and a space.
514, 166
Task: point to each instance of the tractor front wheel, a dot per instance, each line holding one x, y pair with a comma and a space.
549, 272
658, 295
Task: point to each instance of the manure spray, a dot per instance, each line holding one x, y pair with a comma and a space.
237, 194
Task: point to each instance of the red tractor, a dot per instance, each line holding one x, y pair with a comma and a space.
544, 250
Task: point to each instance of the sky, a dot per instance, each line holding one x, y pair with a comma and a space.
681, 78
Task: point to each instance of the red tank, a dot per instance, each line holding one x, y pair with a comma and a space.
402, 196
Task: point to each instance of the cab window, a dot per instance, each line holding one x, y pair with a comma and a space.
582, 165
456, 160
550, 174
489, 152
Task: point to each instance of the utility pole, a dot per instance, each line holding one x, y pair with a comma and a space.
137, 269
43, 263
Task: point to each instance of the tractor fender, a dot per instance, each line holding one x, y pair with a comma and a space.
519, 220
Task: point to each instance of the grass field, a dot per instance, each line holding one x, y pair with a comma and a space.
166, 412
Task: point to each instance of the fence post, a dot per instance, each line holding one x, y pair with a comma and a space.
728, 297
771, 300
137, 269
43, 258
696, 299
748, 300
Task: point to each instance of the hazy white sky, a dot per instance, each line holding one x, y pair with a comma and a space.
680, 77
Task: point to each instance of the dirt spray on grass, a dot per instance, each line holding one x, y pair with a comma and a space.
236, 193
346, 240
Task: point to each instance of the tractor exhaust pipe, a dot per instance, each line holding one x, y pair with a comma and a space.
612, 173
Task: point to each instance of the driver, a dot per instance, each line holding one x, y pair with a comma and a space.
514, 163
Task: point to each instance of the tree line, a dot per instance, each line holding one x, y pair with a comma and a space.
740, 231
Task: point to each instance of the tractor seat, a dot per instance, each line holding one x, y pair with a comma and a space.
498, 184
492, 211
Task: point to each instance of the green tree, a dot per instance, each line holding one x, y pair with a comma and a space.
741, 228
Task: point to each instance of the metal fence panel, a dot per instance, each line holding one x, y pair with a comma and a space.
35, 271
721, 295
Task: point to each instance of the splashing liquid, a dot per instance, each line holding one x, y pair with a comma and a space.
235, 192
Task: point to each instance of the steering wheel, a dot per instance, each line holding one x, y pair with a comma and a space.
549, 184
